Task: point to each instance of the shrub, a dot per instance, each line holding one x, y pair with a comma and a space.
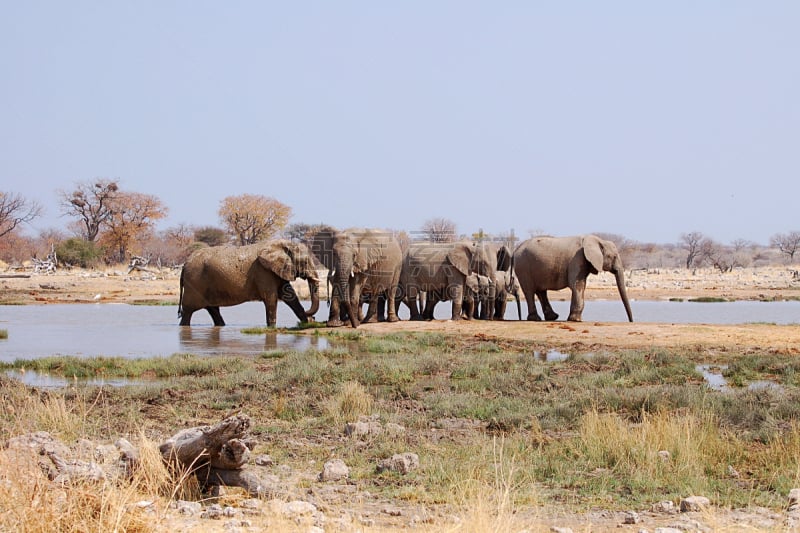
79, 252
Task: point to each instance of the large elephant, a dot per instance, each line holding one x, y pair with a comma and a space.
506, 284
221, 276
359, 261
553, 263
441, 270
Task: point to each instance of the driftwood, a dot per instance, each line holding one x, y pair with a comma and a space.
216, 455
139, 263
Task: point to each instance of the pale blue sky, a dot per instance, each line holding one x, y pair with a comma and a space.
646, 119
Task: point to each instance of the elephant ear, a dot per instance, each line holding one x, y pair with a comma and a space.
460, 257
593, 251
369, 252
277, 258
503, 258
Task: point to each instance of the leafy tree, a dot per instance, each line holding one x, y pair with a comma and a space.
787, 243
15, 210
211, 236
133, 216
252, 217
439, 230
91, 203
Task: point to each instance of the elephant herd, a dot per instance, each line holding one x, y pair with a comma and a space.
368, 266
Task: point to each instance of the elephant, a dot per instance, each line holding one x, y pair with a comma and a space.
553, 263
441, 270
506, 284
360, 262
498, 259
221, 276
476, 295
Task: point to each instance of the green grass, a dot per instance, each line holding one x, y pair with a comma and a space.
585, 430
708, 299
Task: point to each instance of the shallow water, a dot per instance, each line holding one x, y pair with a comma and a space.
89, 330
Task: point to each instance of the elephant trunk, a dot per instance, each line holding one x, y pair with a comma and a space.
313, 289
623, 293
342, 282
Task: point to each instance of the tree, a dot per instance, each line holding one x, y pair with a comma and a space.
91, 203
15, 210
787, 243
692, 242
302, 232
211, 235
439, 230
132, 219
252, 218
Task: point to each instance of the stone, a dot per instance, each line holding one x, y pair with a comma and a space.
334, 470
694, 503
402, 463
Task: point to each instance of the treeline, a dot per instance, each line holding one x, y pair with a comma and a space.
108, 225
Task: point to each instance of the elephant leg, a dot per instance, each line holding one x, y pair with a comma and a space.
411, 300
530, 299
431, 299
456, 294
373, 310
216, 316
547, 309
392, 301
271, 310
382, 302
500, 308
576, 305
186, 317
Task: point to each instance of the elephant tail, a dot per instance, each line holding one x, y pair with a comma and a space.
180, 297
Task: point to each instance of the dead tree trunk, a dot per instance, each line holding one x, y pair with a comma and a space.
216, 455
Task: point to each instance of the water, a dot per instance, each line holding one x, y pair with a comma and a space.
88, 330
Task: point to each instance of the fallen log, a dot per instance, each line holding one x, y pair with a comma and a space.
216, 455
5, 276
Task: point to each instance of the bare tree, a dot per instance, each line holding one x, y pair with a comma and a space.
439, 230
787, 243
91, 203
692, 242
15, 210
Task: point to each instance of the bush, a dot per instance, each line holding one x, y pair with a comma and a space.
79, 252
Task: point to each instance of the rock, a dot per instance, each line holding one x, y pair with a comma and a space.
334, 470
264, 460
362, 428
668, 530
556, 529
631, 517
664, 455
187, 508
794, 500
213, 512
298, 508
694, 503
401, 462
665, 506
